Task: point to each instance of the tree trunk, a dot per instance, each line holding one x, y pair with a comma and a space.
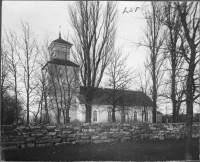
123, 116
27, 98
189, 118
113, 115
154, 98
174, 63
143, 113
60, 94
55, 94
44, 89
16, 100
67, 116
185, 14
41, 120
69, 103
89, 97
58, 116
88, 112
189, 103
142, 117
154, 69
1, 101
46, 109
28, 87
173, 97
173, 76
178, 103
64, 116
2, 109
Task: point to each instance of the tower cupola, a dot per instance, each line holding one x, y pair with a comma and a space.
60, 49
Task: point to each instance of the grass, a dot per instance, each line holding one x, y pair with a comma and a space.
171, 149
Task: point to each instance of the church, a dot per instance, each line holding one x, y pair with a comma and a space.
66, 96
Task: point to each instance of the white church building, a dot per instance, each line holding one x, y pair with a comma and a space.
66, 96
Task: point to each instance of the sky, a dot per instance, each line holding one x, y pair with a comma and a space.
45, 18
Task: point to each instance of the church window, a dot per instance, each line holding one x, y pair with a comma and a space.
135, 116
94, 115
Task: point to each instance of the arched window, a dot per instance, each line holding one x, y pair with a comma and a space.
135, 116
109, 117
94, 115
146, 117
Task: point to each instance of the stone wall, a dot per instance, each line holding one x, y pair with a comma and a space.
20, 137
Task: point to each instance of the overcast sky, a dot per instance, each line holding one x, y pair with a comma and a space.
45, 17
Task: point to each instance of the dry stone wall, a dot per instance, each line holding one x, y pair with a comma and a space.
20, 137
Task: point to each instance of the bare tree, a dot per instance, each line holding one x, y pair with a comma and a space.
63, 88
72, 88
4, 78
60, 84
41, 97
119, 77
143, 84
53, 91
28, 52
154, 39
190, 23
172, 53
0, 62
11, 46
94, 38
42, 84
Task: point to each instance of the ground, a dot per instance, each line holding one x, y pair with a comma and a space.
119, 151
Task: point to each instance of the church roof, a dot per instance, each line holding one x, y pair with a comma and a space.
60, 40
120, 97
61, 62
158, 112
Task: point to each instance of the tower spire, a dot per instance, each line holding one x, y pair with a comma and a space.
59, 33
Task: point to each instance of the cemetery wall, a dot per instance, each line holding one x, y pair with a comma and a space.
20, 137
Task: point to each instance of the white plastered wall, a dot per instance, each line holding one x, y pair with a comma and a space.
102, 114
